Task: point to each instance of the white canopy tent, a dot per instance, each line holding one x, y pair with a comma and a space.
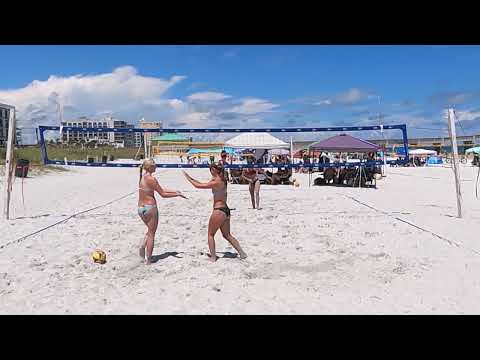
256, 141
279, 152
421, 152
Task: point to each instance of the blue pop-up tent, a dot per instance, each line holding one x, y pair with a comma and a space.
434, 160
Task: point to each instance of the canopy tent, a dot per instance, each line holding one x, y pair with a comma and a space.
474, 150
259, 153
422, 152
279, 152
169, 137
344, 143
256, 141
434, 160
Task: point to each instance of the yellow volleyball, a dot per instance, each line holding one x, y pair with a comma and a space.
99, 257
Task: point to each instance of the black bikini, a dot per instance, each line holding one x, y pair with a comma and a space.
223, 191
224, 209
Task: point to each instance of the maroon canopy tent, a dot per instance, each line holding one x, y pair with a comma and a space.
344, 143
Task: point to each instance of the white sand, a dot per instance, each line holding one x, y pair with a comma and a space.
311, 250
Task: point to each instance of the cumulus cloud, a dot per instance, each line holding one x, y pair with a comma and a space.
208, 96
252, 106
231, 53
454, 97
349, 97
177, 104
324, 102
467, 115
123, 92
127, 95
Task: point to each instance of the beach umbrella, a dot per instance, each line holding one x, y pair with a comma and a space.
230, 151
422, 152
474, 150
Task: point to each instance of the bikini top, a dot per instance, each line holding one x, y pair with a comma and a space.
220, 192
251, 172
146, 189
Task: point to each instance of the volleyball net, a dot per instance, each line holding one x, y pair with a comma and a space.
192, 148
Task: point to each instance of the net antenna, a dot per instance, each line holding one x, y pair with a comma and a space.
9, 168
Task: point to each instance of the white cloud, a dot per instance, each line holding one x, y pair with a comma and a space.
252, 106
128, 95
231, 53
208, 96
124, 92
195, 119
177, 104
351, 96
467, 115
324, 102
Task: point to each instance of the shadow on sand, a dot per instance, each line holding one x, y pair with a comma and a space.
165, 255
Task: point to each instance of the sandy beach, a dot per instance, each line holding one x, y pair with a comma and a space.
312, 250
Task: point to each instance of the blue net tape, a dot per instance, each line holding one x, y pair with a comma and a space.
286, 130
46, 160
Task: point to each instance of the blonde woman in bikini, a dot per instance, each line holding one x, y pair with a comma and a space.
147, 205
220, 218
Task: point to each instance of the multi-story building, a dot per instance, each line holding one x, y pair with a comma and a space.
18, 136
134, 139
75, 136
4, 118
439, 144
118, 139
138, 138
147, 137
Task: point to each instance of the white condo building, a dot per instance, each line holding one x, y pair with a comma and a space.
120, 139
4, 117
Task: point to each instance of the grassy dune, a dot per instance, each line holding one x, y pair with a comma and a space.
59, 152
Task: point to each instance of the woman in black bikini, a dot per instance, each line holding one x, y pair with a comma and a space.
220, 218
147, 205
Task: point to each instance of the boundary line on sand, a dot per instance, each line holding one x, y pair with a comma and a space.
409, 223
63, 221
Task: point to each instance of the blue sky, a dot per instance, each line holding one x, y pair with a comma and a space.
241, 86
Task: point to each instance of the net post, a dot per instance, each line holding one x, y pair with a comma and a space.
405, 143
9, 162
456, 170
